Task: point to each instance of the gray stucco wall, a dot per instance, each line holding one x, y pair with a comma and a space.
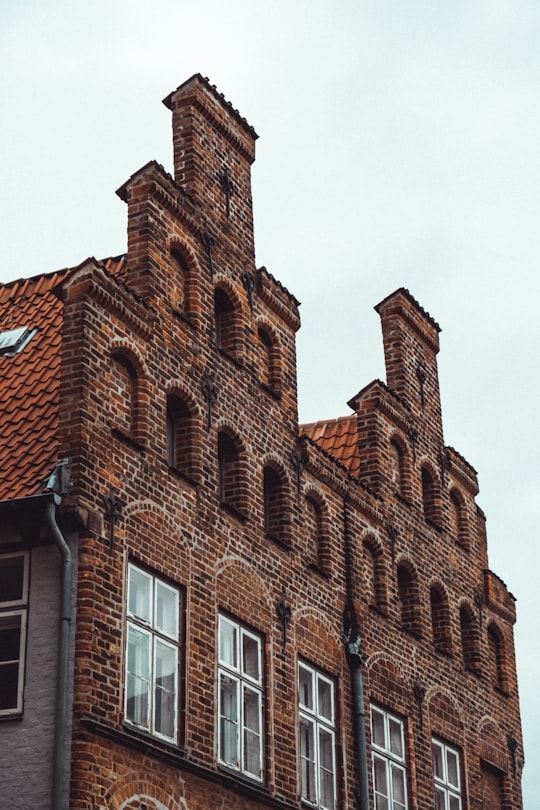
27, 743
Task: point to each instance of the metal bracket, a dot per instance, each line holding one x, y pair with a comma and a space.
208, 242
479, 602
249, 284
210, 395
228, 188
392, 536
419, 693
421, 374
284, 614
443, 464
413, 438
113, 513
512, 747
298, 464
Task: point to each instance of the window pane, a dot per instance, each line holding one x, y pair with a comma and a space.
252, 709
166, 610
377, 728
139, 594
396, 739
437, 760
250, 656
326, 768
10, 637
305, 687
325, 707
138, 678
398, 787
227, 642
307, 759
380, 776
455, 803
9, 682
165, 669
452, 764
440, 799
252, 737
12, 579
228, 721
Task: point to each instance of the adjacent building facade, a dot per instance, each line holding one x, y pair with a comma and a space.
203, 604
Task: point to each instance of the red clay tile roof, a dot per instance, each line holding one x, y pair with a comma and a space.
29, 386
116, 266
30, 381
338, 438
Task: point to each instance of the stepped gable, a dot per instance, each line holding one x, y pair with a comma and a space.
337, 437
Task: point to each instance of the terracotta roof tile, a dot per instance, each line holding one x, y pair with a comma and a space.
338, 438
29, 385
116, 265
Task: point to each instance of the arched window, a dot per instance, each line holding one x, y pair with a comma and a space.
375, 576
316, 535
497, 663
440, 619
181, 290
179, 435
431, 497
458, 518
409, 599
232, 490
268, 360
470, 642
227, 323
124, 381
275, 511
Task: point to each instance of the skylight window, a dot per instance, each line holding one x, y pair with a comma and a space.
13, 340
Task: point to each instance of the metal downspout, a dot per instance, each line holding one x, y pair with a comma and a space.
355, 662
351, 637
59, 766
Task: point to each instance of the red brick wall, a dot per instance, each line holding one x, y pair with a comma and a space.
173, 521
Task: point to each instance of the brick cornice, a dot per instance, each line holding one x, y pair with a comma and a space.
461, 471
386, 402
166, 191
403, 304
278, 298
199, 93
91, 280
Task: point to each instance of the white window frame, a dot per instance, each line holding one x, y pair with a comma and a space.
388, 760
143, 622
236, 729
316, 722
447, 790
16, 611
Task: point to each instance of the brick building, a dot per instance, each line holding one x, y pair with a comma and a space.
252, 614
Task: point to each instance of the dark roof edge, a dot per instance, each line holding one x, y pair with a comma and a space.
404, 291
167, 101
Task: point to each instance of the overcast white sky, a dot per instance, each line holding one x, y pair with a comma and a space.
399, 147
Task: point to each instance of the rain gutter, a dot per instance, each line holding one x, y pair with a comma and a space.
59, 766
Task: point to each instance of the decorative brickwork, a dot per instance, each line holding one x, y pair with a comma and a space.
354, 546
